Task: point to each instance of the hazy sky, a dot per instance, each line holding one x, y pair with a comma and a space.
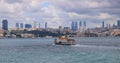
60, 12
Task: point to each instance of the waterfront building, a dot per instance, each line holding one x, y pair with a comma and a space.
28, 26
27, 35
5, 25
1, 33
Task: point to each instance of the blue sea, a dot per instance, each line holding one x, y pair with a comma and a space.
42, 50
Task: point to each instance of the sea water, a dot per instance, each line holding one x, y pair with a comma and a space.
42, 50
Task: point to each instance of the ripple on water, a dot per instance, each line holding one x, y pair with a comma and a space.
43, 51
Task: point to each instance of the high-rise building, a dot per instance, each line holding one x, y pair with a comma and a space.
80, 24
74, 26
107, 25
84, 23
103, 24
34, 24
118, 23
21, 25
28, 26
45, 25
5, 25
17, 25
39, 25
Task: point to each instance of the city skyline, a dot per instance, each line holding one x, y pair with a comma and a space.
60, 12
73, 25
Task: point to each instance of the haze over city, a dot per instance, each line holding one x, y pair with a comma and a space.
60, 12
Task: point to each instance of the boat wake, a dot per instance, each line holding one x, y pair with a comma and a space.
95, 46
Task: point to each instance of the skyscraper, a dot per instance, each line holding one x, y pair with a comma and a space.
80, 24
74, 26
39, 25
34, 24
45, 25
17, 25
28, 26
118, 24
5, 25
108, 25
84, 23
103, 24
21, 25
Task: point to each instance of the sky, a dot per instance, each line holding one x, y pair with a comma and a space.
60, 12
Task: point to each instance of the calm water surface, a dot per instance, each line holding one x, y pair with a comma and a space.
42, 50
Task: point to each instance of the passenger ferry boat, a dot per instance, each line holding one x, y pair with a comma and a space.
64, 40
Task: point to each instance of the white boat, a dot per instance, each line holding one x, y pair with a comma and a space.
64, 41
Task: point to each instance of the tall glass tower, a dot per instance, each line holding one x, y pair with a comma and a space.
45, 25
5, 24
103, 24
80, 24
74, 26
17, 25
118, 23
21, 25
84, 23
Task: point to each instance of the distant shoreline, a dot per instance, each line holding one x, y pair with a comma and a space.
51, 37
